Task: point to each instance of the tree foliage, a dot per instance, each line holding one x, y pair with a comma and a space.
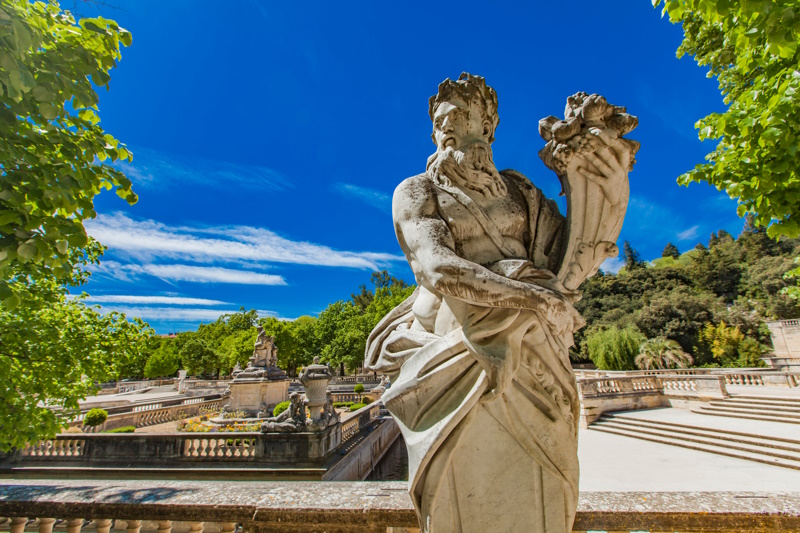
670, 250
736, 280
163, 361
661, 353
95, 417
752, 49
338, 335
613, 348
55, 349
52, 147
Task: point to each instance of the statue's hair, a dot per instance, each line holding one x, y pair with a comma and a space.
470, 89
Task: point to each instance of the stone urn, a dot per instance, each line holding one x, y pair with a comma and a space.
315, 379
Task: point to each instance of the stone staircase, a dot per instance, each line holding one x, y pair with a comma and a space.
784, 410
771, 450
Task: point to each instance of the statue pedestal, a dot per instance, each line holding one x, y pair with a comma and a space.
251, 395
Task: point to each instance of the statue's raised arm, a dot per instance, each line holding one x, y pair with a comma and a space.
592, 160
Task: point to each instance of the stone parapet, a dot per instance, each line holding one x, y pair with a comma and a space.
629, 391
362, 507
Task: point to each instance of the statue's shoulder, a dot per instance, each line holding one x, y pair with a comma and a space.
519, 179
414, 196
532, 193
418, 183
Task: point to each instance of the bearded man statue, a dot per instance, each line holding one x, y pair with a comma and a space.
482, 387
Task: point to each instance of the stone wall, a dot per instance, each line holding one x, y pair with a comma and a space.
355, 507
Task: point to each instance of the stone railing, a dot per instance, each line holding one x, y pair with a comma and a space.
766, 377
192, 384
77, 506
175, 450
624, 392
354, 379
354, 422
150, 414
351, 396
763, 379
130, 386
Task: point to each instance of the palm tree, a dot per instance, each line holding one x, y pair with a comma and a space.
662, 353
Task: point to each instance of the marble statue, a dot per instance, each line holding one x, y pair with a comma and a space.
264, 362
482, 387
292, 420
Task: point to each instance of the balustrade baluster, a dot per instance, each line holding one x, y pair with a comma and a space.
203, 451
18, 524
74, 525
46, 525
102, 525
196, 527
227, 527
164, 526
133, 526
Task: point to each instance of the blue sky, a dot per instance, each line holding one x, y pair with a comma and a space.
268, 137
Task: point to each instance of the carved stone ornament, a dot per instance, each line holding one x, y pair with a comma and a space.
482, 388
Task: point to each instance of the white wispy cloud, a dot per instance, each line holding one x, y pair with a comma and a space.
149, 239
180, 272
372, 197
176, 314
612, 265
688, 234
152, 300
156, 170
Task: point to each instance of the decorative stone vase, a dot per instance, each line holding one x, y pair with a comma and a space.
315, 379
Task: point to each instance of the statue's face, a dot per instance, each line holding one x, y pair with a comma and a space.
457, 124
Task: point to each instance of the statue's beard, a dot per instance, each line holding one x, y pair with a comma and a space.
471, 167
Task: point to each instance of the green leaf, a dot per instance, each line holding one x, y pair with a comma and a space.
12, 302
27, 251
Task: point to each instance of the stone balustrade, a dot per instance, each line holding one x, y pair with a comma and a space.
193, 384
102, 506
762, 377
149, 414
189, 450
354, 422
625, 391
131, 386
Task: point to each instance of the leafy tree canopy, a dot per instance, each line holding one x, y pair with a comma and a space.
752, 48
52, 148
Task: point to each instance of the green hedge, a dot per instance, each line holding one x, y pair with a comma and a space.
123, 429
356, 407
366, 400
95, 417
343, 404
281, 407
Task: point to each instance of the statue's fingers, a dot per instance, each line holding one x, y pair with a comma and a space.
592, 176
604, 136
619, 149
601, 163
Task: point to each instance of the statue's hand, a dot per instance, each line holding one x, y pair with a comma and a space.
607, 164
559, 312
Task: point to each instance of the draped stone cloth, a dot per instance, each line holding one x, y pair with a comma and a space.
489, 403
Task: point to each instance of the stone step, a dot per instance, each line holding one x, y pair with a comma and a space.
793, 400
779, 443
751, 411
702, 447
694, 437
772, 407
747, 415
